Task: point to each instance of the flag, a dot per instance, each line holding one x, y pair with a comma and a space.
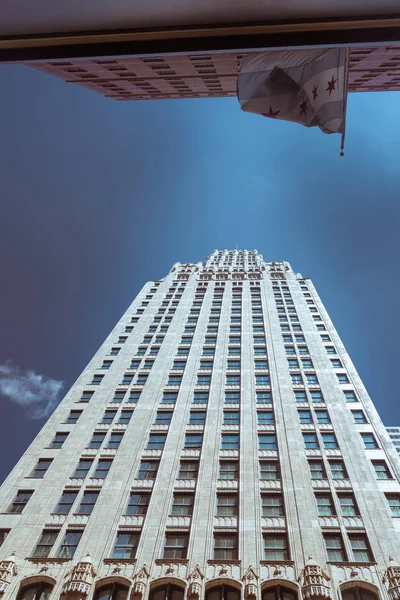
304, 86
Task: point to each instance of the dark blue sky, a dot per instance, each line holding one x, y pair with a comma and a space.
99, 196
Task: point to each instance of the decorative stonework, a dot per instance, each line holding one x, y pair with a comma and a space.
250, 584
195, 579
8, 569
392, 579
80, 577
313, 581
140, 583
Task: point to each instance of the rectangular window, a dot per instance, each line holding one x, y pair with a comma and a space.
361, 549
69, 544
118, 396
338, 470
97, 440
233, 380
334, 548
87, 503
106, 364
359, 417
182, 505
102, 469
40, 470
86, 395
134, 396
262, 380
114, 351
156, 441
264, 397
203, 379
73, 416
206, 365
169, 397
83, 468
193, 440
260, 351
231, 417
269, 470
45, 544
59, 439
232, 397
342, 378
381, 469
200, 398
312, 379
141, 379
125, 545
233, 351
197, 417
125, 417
188, 469
297, 379
293, 363
108, 417
322, 416
348, 505
305, 417
310, 441
20, 501
137, 504
148, 469
272, 505
234, 364
317, 469
175, 380
350, 396
300, 396
329, 440
325, 506
176, 545
228, 470
225, 546
394, 504
276, 547
316, 396
227, 505
115, 440
330, 350
229, 442
267, 442
163, 417
369, 440
97, 379
336, 363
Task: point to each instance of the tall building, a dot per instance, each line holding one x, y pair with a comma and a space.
206, 75
394, 434
219, 445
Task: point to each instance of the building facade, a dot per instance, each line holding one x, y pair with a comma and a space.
208, 75
394, 434
220, 445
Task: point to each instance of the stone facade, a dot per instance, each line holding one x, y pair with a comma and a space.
394, 434
221, 363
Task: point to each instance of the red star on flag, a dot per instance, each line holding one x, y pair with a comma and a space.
331, 85
303, 107
272, 114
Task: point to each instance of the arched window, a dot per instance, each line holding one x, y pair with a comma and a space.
167, 592
112, 591
223, 592
358, 593
279, 592
36, 591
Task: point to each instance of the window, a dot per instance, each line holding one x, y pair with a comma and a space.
330, 350
394, 504
233, 351
227, 505
262, 380
325, 338
293, 363
229, 442
175, 545
269, 470
297, 379
125, 545
358, 593
225, 546
276, 547
65, 503
305, 416
197, 417
125, 417
35, 591
203, 379
325, 506
232, 397
336, 363
233, 364
272, 505
348, 505
134, 395
267, 442
264, 397
265, 417
329, 440
86, 396
322, 416
169, 397
200, 398
233, 380
317, 469
300, 396
369, 441
304, 350
188, 469
228, 470
231, 417
118, 396
40, 470
108, 417
103, 466
141, 379
193, 440
73, 416
334, 548
183, 351
137, 504
87, 503
97, 440
208, 351
312, 379
342, 378
338, 470
106, 364
260, 351
350, 396
359, 417
45, 544
182, 504
20, 501
97, 379
207, 365
83, 468
148, 469
310, 441
316, 396
361, 549
381, 469
175, 380
156, 441
163, 417
290, 350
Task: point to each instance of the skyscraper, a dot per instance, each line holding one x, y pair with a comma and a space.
219, 445
394, 434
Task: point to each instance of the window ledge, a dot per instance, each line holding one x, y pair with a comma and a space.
111, 561
289, 563
224, 562
48, 560
351, 564
167, 561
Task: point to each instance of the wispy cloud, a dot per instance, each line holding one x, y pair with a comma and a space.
38, 394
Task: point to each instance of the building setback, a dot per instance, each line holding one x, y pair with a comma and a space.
211, 75
220, 445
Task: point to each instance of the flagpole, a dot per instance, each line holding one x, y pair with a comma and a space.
346, 90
